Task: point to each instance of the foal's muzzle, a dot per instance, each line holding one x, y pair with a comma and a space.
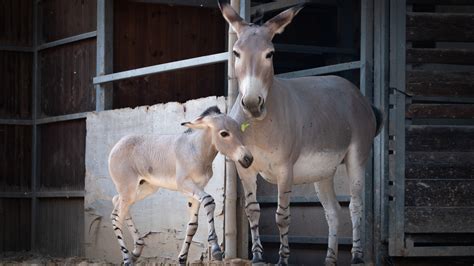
246, 161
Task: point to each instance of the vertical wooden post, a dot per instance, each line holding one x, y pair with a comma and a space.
230, 226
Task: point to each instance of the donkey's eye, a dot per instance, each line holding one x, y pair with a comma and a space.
270, 54
224, 134
236, 54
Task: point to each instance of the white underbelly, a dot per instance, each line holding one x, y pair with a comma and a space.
310, 168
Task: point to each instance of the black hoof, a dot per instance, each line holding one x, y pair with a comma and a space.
282, 261
357, 260
257, 258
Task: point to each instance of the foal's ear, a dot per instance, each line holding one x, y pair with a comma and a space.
277, 24
235, 21
197, 123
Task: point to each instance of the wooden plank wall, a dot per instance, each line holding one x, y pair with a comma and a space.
15, 218
148, 34
439, 195
16, 25
66, 78
65, 87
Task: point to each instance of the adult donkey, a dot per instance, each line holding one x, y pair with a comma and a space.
299, 131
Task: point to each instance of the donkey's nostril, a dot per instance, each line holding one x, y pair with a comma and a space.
259, 100
243, 103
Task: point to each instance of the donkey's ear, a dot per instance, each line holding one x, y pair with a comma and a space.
277, 24
197, 123
235, 21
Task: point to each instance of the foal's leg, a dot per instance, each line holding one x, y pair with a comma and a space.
252, 210
190, 229
356, 172
189, 188
327, 196
137, 239
282, 215
121, 206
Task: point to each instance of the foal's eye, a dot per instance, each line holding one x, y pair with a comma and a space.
224, 134
270, 54
236, 54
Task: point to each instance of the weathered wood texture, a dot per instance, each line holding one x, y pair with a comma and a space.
148, 34
420, 110
438, 83
66, 78
16, 22
62, 19
15, 220
62, 149
439, 193
16, 84
15, 162
441, 56
440, 27
440, 138
439, 165
439, 220
61, 227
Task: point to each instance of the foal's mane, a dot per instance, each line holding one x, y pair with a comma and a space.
213, 110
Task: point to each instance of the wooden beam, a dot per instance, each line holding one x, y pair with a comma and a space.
440, 56
440, 83
440, 27
429, 110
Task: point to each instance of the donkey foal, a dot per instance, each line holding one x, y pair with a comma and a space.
139, 165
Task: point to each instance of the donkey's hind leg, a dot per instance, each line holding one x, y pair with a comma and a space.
121, 206
327, 196
137, 239
191, 229
355, 165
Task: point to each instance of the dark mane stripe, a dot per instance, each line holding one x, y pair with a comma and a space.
211, 110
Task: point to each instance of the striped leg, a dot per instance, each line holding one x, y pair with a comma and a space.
137, 239
252, 210
282, 215
190, 230
118, 214
209, 206
357, 175
331, 206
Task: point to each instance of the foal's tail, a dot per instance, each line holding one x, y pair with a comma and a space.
378, 119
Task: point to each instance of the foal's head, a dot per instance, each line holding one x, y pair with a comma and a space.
225, 134
254, 56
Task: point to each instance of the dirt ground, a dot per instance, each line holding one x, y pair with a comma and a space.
23, 259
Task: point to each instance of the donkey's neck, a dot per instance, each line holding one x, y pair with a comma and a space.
202, 141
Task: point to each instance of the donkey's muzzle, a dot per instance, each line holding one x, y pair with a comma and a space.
246, 162
253, 107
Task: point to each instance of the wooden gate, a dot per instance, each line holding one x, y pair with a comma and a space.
431, 161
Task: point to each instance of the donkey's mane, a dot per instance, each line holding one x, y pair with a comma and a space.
213, 110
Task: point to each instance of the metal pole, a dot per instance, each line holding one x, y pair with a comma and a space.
103, 92
34, 131
366, 87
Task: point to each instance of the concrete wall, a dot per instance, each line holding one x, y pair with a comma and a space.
162, 215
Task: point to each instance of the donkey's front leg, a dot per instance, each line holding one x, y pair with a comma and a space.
282, 216
189, 188
252, 210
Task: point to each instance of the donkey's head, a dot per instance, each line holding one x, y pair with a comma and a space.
225, 134
254, 56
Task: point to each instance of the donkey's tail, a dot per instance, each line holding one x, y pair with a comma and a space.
378, 119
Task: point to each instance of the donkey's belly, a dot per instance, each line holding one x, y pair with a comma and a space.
313, 167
